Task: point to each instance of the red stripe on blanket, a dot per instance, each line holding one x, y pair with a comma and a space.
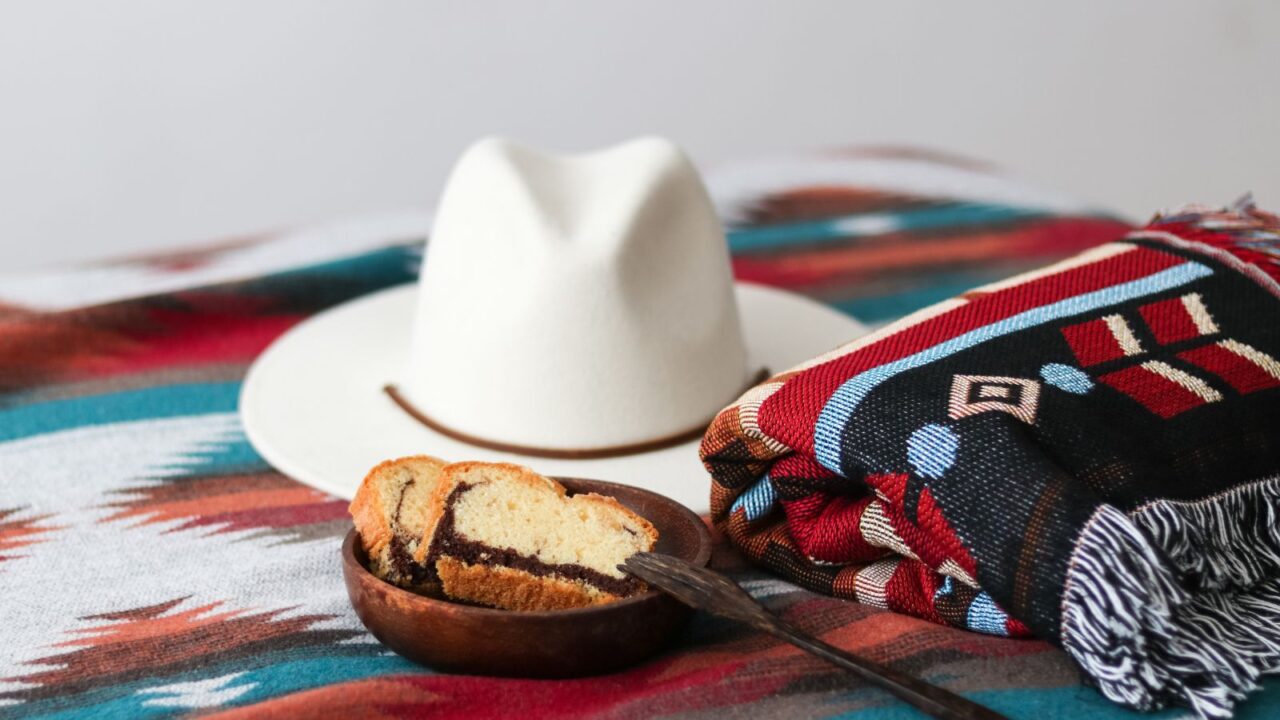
179, 339
828, 529
1169, 320
790, 414
911, 589
1156, 392
1241, 374
825, 527
931, 537
659, 688
1092, 342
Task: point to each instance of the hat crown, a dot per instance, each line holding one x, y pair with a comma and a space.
575, 301
588, 199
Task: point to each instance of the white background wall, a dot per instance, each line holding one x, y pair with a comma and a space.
142, 124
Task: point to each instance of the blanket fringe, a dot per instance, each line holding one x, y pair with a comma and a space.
1180, 603
1230, 540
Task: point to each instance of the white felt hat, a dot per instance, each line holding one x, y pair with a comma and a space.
575, 303
576, 314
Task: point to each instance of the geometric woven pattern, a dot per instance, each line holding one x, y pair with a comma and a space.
153, 565
1089, 453
973, 394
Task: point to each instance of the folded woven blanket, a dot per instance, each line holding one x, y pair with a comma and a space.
1088, 453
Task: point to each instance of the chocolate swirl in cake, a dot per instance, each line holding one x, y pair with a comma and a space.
401, 554
447, 541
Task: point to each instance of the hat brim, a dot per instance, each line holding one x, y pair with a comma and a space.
313, 404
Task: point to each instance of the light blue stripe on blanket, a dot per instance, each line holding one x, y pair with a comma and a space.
845, 400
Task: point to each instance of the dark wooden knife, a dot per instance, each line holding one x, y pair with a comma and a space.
712, 592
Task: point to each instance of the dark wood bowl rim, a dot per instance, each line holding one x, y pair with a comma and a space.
428, 604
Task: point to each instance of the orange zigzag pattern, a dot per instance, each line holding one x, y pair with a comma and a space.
21, 532
246, 501
154, 641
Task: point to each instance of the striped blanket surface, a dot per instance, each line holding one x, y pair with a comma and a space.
153, 564
1088, 453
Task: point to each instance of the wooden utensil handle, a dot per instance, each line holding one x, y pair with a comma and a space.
936, 701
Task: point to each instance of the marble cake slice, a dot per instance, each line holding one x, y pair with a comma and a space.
503, 536
390, 513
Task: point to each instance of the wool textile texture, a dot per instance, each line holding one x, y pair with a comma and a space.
153, 564
1088, 453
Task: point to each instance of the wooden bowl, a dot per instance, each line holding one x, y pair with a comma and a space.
551, 644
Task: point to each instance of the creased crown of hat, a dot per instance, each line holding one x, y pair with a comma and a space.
575, 302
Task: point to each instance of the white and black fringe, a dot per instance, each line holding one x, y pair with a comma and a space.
1178, 602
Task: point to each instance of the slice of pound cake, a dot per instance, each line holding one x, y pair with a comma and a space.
504, 536
390, 513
